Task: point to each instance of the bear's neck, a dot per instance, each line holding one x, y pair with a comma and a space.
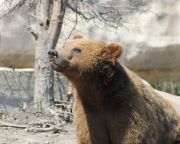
111, 84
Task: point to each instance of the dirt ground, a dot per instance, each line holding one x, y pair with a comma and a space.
19, 136
21, 128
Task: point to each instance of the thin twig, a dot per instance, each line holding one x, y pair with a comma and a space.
17, 5
79, 12
33, 33
76, 21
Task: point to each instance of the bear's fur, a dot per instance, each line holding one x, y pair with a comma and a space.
112, 104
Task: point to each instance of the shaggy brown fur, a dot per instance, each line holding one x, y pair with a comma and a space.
112, 104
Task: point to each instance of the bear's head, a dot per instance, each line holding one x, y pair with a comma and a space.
81, 57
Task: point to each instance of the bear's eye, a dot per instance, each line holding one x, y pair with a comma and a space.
77, 50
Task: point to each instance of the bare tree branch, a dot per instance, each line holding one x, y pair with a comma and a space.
16, 5
110, 13
75, 24
56, 22
33, 33
79, 12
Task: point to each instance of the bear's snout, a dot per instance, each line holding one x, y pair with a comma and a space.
57, 61
53, 53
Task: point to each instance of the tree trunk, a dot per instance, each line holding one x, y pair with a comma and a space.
49, 31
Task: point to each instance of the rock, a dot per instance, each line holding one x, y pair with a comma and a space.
17, 87
174, 100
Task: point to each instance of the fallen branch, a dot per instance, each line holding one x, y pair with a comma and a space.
33, 129
63, 102
6, 124
54, 129
41, 123
63, 105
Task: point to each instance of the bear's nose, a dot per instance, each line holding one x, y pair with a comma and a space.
53, 53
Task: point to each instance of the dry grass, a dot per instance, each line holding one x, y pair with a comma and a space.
17, 60
160, 75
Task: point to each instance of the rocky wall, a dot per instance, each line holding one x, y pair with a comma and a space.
17, 87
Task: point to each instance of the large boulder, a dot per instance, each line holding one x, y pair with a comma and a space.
174, 100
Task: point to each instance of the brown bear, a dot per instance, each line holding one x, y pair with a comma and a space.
112, 104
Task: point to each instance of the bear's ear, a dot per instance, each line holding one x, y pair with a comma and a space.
113, 51
78, 36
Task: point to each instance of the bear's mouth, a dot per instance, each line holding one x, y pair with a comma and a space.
62, 65
58, 63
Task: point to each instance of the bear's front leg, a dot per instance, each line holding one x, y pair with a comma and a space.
90, 126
